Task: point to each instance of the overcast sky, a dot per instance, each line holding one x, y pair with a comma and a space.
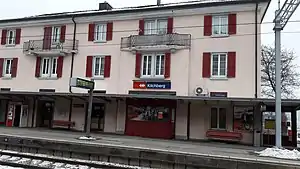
20, 8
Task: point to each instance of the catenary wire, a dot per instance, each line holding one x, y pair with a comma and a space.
192, 39
177, 27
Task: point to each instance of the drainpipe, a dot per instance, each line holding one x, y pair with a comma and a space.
256, 48
74, 45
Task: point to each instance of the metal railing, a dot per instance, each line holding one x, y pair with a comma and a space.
41, 45
183, 40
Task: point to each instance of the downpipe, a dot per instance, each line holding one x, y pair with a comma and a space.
73, 54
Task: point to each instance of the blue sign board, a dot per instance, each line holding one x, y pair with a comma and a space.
158, 85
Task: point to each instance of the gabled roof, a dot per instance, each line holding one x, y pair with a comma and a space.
167, 6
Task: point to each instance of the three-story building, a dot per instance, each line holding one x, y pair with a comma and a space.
194, 49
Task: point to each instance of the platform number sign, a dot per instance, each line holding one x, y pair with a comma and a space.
82, 83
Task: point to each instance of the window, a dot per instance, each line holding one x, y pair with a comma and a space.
219, 65
49, 67
56, 35
100, 32
98, 66
7, 67
11, 37
153, 65
220, 25
156, 27
218, 118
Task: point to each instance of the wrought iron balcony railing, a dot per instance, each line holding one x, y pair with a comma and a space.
175, 39
41, 45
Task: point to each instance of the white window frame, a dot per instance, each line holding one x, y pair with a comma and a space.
218, 119
56, 35
97, 34
219, 65
154, 30
217, 23
102, 58
5, 66
50, 67
153, 65
13, 37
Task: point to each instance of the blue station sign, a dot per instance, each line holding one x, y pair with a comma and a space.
151, 85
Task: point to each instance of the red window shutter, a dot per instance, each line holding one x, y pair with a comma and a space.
170, 25
231, 64
231, 24
47, 38
167, 65
63, 33
107, 65
3, 36
18, 36
60, 64
138, 60
207, 25
14, 67
1, 66
89, 66
91, 32
141, 27
109, 32
38, 66
206, 65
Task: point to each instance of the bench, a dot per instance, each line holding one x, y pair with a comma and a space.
63, 123
224, 135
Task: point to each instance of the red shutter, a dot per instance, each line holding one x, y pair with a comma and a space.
109, 32
138, 62
170, 25
62, 33
38, 66
206, 65
231, 64
141, 27
167, 65
89, 66
1, 66
107, 65
91, 32
14, 67
207, 25
231, 24
18, 36
47, 38
3, 37
60, 64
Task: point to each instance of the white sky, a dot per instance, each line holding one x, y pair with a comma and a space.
21, 8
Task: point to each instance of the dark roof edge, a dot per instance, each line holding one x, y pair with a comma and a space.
262, 18
184, 6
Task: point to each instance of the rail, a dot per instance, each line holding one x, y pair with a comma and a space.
41, 45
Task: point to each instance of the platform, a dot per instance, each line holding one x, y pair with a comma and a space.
213, 150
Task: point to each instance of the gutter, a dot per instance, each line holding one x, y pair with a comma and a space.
256, 48
73, 53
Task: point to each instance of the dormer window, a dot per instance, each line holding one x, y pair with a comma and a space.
157, 26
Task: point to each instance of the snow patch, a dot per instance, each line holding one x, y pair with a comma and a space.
280, 153
86, 138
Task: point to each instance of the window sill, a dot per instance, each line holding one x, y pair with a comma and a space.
10, 45
152, 78
47, 78
218, 129
218, 78
220, 36
100, 41
97, 78
6, 78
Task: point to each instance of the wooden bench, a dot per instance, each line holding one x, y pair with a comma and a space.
63, 123
224, 135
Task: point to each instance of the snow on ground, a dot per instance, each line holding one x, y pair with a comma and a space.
280, 153
7, 167
86, 138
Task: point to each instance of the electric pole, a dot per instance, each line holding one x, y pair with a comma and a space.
282, 17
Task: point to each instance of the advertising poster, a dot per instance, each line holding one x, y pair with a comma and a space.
243, 119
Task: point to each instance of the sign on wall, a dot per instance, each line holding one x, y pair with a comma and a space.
151, 85
82, 83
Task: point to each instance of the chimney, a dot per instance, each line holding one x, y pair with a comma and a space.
158, 2
105, 6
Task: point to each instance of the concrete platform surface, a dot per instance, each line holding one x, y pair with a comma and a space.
231, 151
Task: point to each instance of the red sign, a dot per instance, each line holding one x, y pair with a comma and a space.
139, 85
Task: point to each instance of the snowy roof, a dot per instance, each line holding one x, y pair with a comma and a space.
188, 4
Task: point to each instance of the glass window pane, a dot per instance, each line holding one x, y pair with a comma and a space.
222, 118
149, 66
54, 66
97, 66
45, 67
8, 66
145, 65
102, 66
149, 27
215, 25
157, 66
162, 65
224, 25
162, 26
215, 65
213, 118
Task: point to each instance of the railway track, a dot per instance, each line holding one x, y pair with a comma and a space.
41, 161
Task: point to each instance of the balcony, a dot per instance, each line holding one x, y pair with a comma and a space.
44, 48
156, 42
